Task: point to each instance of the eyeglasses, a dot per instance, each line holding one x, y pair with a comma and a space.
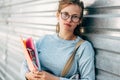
65, 15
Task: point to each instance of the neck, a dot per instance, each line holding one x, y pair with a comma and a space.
67, 36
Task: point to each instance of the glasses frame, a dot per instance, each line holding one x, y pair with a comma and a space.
72, 17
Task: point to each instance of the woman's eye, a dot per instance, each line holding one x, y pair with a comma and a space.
66, 14
75, 16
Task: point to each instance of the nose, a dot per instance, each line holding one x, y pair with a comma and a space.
69, 19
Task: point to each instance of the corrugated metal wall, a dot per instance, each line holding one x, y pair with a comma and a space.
37, 17
103, 29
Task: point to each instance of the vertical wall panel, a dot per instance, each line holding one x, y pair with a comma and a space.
36, 18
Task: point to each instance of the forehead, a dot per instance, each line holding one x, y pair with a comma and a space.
72, 9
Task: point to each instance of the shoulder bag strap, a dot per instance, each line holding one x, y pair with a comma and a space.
70, 60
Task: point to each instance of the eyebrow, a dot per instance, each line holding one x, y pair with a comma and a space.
72, 14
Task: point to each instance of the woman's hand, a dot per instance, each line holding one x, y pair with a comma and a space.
40, 75
43, 75
31, 75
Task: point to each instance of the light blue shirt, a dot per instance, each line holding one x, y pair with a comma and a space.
54, 53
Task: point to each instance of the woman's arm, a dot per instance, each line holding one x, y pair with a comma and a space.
86, 62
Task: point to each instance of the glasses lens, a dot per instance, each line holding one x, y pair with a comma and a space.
64, 15
75, 18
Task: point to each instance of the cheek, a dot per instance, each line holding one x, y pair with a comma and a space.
75, 25
60, 21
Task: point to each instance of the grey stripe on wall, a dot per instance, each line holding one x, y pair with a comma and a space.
36, 18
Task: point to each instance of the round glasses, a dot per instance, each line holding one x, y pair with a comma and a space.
65, 15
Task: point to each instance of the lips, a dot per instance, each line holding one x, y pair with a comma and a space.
67, 24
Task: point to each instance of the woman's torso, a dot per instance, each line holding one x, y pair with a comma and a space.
54, 53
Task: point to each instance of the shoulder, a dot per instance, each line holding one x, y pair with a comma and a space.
86, 44
86, 49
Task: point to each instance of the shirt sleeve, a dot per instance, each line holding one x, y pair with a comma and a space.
86, 62
24, 69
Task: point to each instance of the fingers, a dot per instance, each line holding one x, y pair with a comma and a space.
37, 72
30, 76
35, 75
41, 75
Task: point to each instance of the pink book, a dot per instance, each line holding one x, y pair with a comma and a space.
31, 54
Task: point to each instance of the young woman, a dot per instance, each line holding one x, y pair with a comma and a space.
55, 50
